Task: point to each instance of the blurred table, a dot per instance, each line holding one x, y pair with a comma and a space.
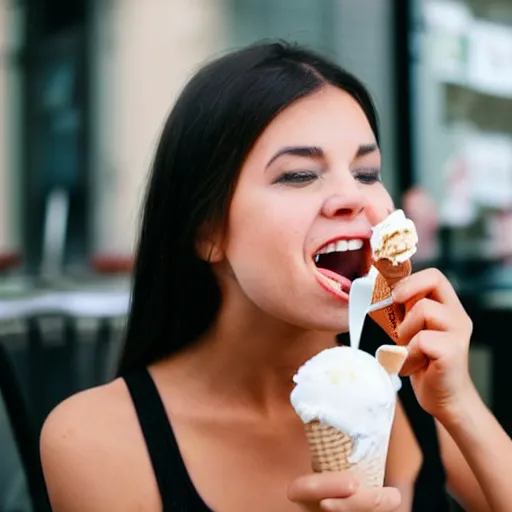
62, 338
85, 303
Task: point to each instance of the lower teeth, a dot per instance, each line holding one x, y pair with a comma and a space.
335, 285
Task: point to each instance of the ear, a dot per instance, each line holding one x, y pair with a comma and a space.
209, 245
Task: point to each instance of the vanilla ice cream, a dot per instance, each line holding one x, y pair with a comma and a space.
349, 390
394, 239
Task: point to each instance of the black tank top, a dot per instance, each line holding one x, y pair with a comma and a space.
178, 493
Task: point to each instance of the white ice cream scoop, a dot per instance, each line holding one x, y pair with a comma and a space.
349, 390
394, 239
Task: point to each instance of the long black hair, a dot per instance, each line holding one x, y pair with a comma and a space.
214, 124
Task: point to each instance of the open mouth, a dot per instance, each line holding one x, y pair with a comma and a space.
340, 262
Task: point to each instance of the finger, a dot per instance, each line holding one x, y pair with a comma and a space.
428, 346
415, 362
317, 486
425, 314
426, 283
437, 345
374, 499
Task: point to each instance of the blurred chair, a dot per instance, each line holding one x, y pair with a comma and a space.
53, 345
24, 433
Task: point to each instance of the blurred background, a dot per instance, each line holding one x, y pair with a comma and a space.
85, 86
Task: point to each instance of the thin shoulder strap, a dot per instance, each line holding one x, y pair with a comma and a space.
176, 488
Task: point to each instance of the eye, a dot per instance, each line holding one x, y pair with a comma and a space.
297, 177
367, 176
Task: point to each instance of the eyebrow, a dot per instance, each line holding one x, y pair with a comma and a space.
366, 149
317, 152
305, 151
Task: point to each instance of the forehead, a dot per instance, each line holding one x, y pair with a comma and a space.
329, 118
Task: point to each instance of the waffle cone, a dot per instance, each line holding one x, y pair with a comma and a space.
393, 273
390, 317
330, 451
391, 358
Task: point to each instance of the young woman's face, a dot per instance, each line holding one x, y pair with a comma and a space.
297, 231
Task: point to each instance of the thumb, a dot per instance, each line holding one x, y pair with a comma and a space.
319, 486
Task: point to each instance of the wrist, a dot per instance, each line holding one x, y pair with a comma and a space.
468, 405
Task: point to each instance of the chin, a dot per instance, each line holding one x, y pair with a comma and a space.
334, 325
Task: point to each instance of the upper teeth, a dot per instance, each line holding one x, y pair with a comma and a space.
341, 246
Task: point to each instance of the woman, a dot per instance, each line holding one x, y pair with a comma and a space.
269, 154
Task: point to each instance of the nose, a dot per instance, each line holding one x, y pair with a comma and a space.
377, 213
347, 201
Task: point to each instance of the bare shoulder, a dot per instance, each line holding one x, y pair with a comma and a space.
93, 454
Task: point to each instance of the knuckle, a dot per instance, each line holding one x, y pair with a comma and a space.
425, 307
469, 324
421, 337
436, 275
378, 499
418, 310
464, 326
387, 500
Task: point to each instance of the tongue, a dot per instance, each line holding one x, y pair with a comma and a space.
333, 276
347, 264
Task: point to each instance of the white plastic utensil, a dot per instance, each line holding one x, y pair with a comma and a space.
381, 304
359, 300
360, 304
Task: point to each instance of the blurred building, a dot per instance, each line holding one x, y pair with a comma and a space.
86, 85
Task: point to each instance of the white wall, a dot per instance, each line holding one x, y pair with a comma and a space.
144, 51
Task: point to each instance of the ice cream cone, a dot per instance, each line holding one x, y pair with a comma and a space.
391, 358
389, 318
346, 401
330, 451
393, 273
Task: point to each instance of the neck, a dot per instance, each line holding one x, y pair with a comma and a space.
251, 364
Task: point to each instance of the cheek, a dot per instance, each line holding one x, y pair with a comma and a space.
265, 233
263, 220
249, 228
